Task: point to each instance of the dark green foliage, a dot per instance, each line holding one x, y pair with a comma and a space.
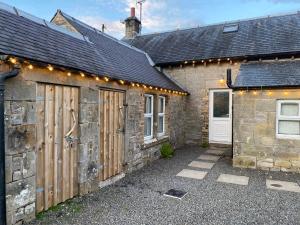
167, 150
204, 145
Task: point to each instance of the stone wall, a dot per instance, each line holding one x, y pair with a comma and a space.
20, 115
197, 80
255, 143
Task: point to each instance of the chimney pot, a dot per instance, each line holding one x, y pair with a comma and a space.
132, 12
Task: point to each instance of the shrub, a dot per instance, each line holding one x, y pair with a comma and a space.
167, 150
204, 145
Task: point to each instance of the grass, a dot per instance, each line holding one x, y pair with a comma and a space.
70, 206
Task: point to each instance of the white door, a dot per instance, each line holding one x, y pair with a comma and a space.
220, 116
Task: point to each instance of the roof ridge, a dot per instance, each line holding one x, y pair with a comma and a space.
221, 23
108, 36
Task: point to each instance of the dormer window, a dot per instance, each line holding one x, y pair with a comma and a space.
230, 28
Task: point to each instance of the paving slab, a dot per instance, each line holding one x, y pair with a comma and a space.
282, 185
209, 157
202, 165
233, 179
215, 152
195, 174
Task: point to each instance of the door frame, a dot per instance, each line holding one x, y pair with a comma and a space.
210, 116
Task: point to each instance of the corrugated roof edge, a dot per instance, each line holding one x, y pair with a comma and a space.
218, 24
106, 35
40, 21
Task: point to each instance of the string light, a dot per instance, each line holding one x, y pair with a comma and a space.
241, 92
151, 87
82, 74
222, 81
50, 68
144, 86
269, 93
285, 93
122, 82
254, 92
30, 66
69, 74
186, 62
97, 78
132, 84
106, 79
13, 60
137, 85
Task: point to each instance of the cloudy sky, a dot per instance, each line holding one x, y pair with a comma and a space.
158, 15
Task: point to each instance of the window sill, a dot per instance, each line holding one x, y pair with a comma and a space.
155, 141
288, 137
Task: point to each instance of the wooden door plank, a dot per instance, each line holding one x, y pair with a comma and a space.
115, 134
111, 123
40, 110
106, 136
121, 134
65, 154
58, 144
75, 106
49, 132
101, 135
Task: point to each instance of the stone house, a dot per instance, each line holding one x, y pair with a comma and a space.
81, 109
243, 79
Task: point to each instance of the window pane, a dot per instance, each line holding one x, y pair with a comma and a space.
221, 104
289, 127
160, 124
147, 126
289, 109
161, 105
148, 105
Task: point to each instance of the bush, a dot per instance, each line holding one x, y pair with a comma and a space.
167, 150
205, 145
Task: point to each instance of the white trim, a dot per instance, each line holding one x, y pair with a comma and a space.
162, 115
149, 115
279, 117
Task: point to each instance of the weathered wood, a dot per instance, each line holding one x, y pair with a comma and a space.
40, 110
56, 158
110, 138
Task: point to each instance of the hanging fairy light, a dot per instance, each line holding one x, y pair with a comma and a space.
106, 79
50, 68
30, 66
122, 82
13, 60
82, 74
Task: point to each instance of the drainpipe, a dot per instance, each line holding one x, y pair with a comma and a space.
229, 84
3, 76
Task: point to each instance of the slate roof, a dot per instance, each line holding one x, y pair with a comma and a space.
255, 37
268, 74
32, 38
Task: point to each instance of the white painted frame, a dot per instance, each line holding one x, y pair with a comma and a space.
149, 115
211, 105
280, 117
162, 115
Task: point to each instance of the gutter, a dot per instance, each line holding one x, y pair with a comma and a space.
229, 84
3, 76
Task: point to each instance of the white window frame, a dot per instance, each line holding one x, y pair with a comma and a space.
162, 115
149, 115
280, 117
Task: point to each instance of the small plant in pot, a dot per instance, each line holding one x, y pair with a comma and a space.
167, 150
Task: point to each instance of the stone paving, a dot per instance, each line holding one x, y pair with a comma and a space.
214, 155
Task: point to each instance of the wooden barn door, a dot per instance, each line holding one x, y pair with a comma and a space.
57, 127
111, 113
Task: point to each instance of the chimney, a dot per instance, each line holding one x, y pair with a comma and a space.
132, 25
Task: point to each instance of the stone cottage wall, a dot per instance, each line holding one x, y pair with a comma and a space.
197, 80
20, 130
255, 143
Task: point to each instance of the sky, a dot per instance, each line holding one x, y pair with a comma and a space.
158, 15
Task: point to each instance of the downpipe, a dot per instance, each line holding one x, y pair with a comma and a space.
3, 76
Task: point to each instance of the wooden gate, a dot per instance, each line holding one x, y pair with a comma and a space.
111, 114
57, 126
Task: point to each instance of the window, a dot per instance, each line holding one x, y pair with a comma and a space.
288, 119
148, 117
161, 115
230, 28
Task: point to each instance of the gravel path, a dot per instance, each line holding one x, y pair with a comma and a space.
138, 198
